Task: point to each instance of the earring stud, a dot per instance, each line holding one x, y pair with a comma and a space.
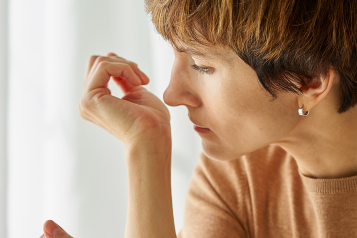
301, 112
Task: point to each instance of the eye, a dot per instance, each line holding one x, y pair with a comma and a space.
205, 70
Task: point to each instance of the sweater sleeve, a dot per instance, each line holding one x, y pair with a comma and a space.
214, 203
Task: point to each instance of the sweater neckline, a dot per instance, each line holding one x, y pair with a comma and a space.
333, 185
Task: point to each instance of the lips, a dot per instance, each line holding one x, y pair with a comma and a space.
198, 125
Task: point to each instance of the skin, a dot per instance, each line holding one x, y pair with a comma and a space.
243, 117
142, 122
228, 100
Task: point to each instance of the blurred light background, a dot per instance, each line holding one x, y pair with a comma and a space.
54, 164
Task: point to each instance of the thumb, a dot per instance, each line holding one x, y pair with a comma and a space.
52, 230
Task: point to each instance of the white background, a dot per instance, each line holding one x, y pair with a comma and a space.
54, 164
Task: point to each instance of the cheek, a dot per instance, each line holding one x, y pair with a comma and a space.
275, 119
243, 115
246, 117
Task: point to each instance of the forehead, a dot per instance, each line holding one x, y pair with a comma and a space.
209, 53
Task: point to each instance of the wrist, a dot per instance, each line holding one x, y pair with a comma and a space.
149, 152
149, 146
150, 201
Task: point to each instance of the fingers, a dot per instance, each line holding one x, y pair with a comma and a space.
105, 69
94, 61
53, 230
91, 61
111, 54
135, 67
124, 85
144, 78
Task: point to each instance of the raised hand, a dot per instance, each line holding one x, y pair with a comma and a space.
138, 116
142, 122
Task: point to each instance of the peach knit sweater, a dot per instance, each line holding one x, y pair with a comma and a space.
263, 195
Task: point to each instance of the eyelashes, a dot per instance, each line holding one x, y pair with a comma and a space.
205, 70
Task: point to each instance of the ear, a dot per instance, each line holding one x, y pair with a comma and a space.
317, 90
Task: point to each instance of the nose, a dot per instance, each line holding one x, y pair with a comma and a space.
181, 89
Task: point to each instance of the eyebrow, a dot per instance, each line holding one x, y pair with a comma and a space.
196, 53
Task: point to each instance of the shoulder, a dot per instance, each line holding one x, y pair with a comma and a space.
221, 192
258, 177
235, 183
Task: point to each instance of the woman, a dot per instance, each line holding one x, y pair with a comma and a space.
271, 87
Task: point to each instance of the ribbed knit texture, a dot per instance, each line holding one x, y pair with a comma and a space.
330, 185
263, 195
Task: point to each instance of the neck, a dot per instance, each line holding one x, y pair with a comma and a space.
324, 144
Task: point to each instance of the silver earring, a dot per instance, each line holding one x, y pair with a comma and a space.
301, 112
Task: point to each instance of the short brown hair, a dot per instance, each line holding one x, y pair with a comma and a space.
284, 41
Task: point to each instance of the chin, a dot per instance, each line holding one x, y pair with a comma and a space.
221, 153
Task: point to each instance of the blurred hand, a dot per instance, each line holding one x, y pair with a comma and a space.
138, 117
52, 230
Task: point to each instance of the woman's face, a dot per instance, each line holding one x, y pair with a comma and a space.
231, 102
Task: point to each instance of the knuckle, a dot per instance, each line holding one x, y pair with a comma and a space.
88, 103
80, 109
93, 57
103, 64
121, 58
127, 67
132, 64
97, 100
101, 59
84, 106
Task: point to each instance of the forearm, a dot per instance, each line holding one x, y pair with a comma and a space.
150, 204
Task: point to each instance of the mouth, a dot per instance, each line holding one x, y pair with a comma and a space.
200, 126
199, 129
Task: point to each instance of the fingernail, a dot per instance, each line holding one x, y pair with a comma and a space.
53, 229
43, 236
